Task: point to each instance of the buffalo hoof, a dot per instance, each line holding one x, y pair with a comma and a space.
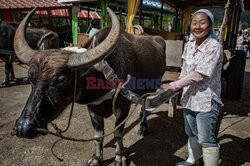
143, 130
5, 83
94, 161
121, 161
12, 77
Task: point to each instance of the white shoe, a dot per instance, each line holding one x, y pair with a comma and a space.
211, 156
194, 152
184, 163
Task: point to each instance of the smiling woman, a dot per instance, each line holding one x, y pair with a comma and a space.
200, 80
200, 26
206, 20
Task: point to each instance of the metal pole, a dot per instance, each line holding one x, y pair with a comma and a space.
75, 10
224, 23
162, 1
51, 23
176, 18
237, 25
120, 9
143, 20
152, 21
88, 16
106, 16
126, 11
140, 12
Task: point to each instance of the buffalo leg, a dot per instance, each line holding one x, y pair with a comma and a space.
8, 70
143, 130
121, 114
98, 125
12, 75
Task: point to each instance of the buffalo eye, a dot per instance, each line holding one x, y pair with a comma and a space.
60, 80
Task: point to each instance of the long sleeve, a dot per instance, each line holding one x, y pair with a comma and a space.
182, 69
193, 77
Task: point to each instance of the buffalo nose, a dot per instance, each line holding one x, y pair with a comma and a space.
24, 127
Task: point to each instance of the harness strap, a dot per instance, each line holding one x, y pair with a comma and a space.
101, 99
7, 52
109, 73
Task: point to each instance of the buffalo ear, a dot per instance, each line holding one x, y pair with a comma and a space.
41, 42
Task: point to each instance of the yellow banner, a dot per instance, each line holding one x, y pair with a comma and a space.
186, 18
132, 10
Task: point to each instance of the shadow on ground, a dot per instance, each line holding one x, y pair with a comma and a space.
156, 149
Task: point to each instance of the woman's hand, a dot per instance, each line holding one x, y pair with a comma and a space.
166, 86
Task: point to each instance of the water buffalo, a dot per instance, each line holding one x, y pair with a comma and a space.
36, 38
52, 76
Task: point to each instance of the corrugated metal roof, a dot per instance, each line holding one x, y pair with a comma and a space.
92, 15
27, 4
65, 13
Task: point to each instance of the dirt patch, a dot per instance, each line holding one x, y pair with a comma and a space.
165, 145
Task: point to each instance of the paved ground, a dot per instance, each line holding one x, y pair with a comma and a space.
165, 146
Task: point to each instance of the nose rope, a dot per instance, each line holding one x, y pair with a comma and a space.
58, 130
62, 137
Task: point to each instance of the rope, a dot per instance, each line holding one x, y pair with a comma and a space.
60, 135
120, 86
95, 138
58, 130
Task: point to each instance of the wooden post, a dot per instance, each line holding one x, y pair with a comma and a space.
143, 20
75, 10
172, 106
70, 15
156, 22
6, 15
162, 1
103, 7
224, 23
237, 22
140, 12
152, 20
176, 18
51, 23
126, 11
13, 16
120, 10
88, 15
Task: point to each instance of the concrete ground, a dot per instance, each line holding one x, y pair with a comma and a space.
164, 146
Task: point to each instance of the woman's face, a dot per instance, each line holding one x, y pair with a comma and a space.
200, 26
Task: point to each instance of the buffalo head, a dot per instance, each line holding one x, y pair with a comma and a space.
51, 74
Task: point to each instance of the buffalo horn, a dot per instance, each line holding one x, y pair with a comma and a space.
91, 57
22, 49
